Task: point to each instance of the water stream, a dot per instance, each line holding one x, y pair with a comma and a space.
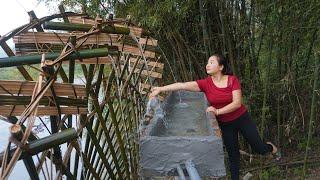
187, 118
153, 104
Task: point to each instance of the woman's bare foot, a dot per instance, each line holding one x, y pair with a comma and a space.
275, 152
274, 148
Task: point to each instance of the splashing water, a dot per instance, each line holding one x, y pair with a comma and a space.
143, 56
154, 105
145, 61
165, 122
182, 105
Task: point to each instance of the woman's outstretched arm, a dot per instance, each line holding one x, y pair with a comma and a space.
188, 86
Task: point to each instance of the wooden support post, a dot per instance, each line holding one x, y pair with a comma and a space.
16, 132
62, 11
72, 40
54, 120
33, 17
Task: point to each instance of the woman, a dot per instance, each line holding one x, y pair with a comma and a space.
223, 92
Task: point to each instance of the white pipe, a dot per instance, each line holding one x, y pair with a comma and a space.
180, 172
192, 171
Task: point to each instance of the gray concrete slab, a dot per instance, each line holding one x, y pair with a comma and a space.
180, 130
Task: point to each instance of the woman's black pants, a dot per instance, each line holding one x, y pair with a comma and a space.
249, 131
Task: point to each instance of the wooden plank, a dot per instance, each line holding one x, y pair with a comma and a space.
26, 88
136, 31
62, 38
135, 50
24, 42
81, 20
106, 60
99, 60
45, 101
150, 64
148, 41
42, 110
147, 73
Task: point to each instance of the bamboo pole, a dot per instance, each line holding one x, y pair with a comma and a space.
72, 40
105, 161
266, 90
39, 145
97, 89
85, 27
89, 77
33, 17
36, 59
16, 133
205, 36
111, 129
105, 130
52, 140
313, 111
62, 11
97, 128
119, 137
54, 120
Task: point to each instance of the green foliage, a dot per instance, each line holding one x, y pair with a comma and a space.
271, 173
91, 7
297, 171
10, 74
242, 31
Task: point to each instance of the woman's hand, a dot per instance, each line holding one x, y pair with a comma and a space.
154, 92
213, 110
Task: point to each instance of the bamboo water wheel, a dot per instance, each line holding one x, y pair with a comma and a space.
93, 76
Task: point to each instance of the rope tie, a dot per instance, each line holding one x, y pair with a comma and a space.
18, 143
75, 51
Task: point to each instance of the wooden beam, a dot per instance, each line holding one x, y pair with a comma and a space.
62, 11
33, 17
23, 100
135, 50
25, 42
158, 66
42, 110
62, 38
148, 41
26, 88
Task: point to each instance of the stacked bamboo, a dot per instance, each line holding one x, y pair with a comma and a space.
15, 95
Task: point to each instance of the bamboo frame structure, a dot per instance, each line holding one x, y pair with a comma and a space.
119, 62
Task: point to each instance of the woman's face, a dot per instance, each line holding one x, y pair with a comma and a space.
213, 66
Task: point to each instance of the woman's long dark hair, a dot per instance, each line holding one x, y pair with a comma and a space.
226, 66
